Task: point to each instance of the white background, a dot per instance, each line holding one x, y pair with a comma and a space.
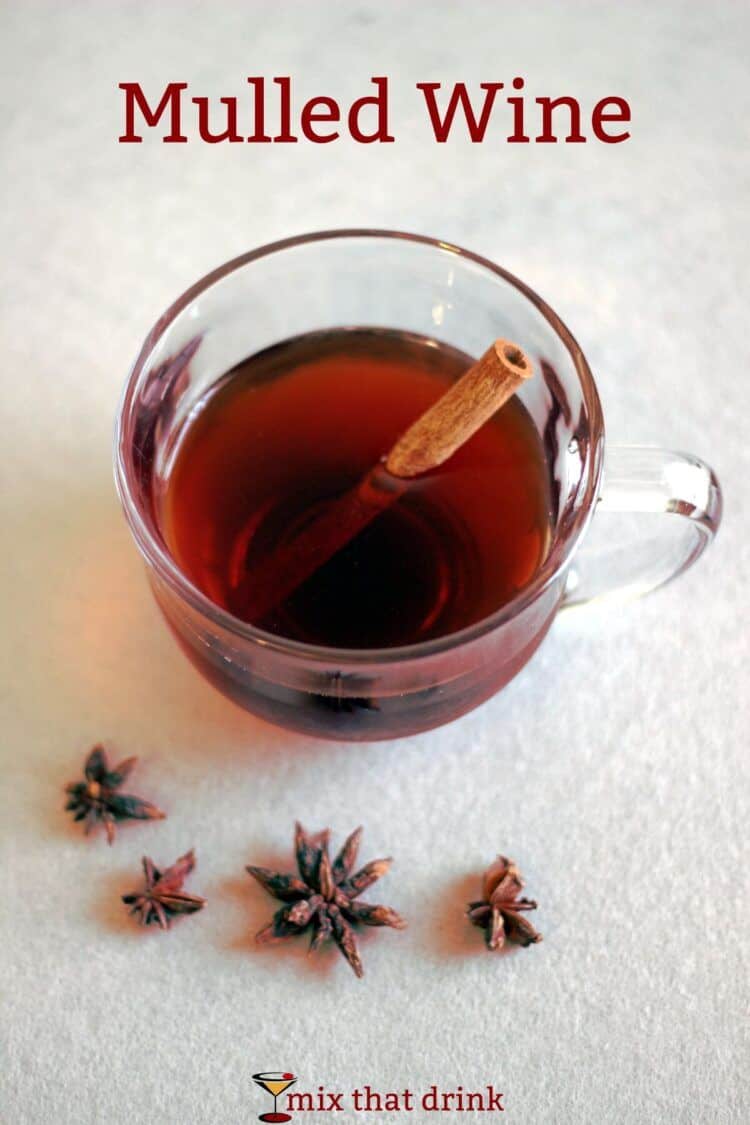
612, 768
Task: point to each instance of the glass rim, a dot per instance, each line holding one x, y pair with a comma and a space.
156, 554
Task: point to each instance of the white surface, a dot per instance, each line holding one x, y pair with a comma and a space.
612, 768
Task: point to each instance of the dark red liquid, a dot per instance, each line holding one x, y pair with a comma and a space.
296, 426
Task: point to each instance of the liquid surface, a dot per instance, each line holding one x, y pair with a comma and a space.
294, 427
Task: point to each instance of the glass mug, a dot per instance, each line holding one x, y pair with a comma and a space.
419, 285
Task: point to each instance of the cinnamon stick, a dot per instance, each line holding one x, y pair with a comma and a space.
428, 443
459, 413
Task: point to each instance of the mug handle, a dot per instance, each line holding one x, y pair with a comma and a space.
631, 555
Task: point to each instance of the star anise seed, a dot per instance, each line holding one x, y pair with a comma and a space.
95, 800
323, 897
163, 897
501, 912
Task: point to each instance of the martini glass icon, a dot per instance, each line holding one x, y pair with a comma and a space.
276, 1082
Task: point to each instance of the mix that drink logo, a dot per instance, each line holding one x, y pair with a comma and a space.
366, 1099
276, 1082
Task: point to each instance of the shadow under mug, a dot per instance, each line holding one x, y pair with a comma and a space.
420, 285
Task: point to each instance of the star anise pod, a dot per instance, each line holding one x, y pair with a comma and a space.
94, 800
501, 912
163, 897
324, 897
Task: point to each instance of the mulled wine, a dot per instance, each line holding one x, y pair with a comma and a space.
292, 428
